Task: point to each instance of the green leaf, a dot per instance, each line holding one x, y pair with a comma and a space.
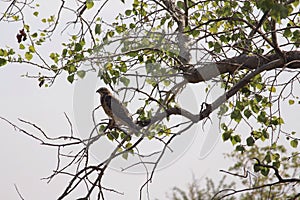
3, 52
254, 108
125, 155
54, 57
31, 49
236, 115
291, 101
98, 29
195, 33
115, 134
51, 18
34, 35
213, 29
294, 143
235, 139
275, 156
256, 167
265, 171
166, 82
78, 47
268, 158
180, 4
262, 117
224, 127
259, 86
11, 52
240, 105
15, 17
132, 25
71, 78
74, 37
217, 47
81, 73
123, 68
28, 56
247, 113
226, 135
265, 4
258, 97
265, 135
72, 69
64, 52
128, 12
223, 38
296, 3
54, 68
36, 13
125, 81
128, 145
223, 109
245, 90
276, 164
110, 136
2, 62
240, 148
102, 128
280, 120
256, 134
250, 141
89, 4
111, 33
287, 33
21, 46
120, 29
108, 66
123, 135
272, 89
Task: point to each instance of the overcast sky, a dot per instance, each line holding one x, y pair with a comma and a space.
24, 161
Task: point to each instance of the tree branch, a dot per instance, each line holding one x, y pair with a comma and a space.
212, 70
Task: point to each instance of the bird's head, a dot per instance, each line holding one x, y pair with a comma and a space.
103, 91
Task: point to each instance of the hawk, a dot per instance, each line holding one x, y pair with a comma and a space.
115, 110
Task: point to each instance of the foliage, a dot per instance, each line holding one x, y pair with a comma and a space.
253, 177
153, 50
196, 192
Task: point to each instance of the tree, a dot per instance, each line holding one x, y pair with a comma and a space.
254, 185
152, 51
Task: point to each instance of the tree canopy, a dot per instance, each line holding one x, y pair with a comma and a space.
148, 55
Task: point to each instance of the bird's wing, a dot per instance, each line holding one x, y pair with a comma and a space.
106, 104
119, 111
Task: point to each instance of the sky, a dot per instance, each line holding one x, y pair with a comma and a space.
25, 161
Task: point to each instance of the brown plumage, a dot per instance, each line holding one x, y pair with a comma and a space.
115, 109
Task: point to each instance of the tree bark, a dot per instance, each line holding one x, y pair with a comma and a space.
212, 70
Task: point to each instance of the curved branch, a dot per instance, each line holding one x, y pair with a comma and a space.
249, 189
209, 108
212, 70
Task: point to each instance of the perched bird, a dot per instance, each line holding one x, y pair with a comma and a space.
116, 110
